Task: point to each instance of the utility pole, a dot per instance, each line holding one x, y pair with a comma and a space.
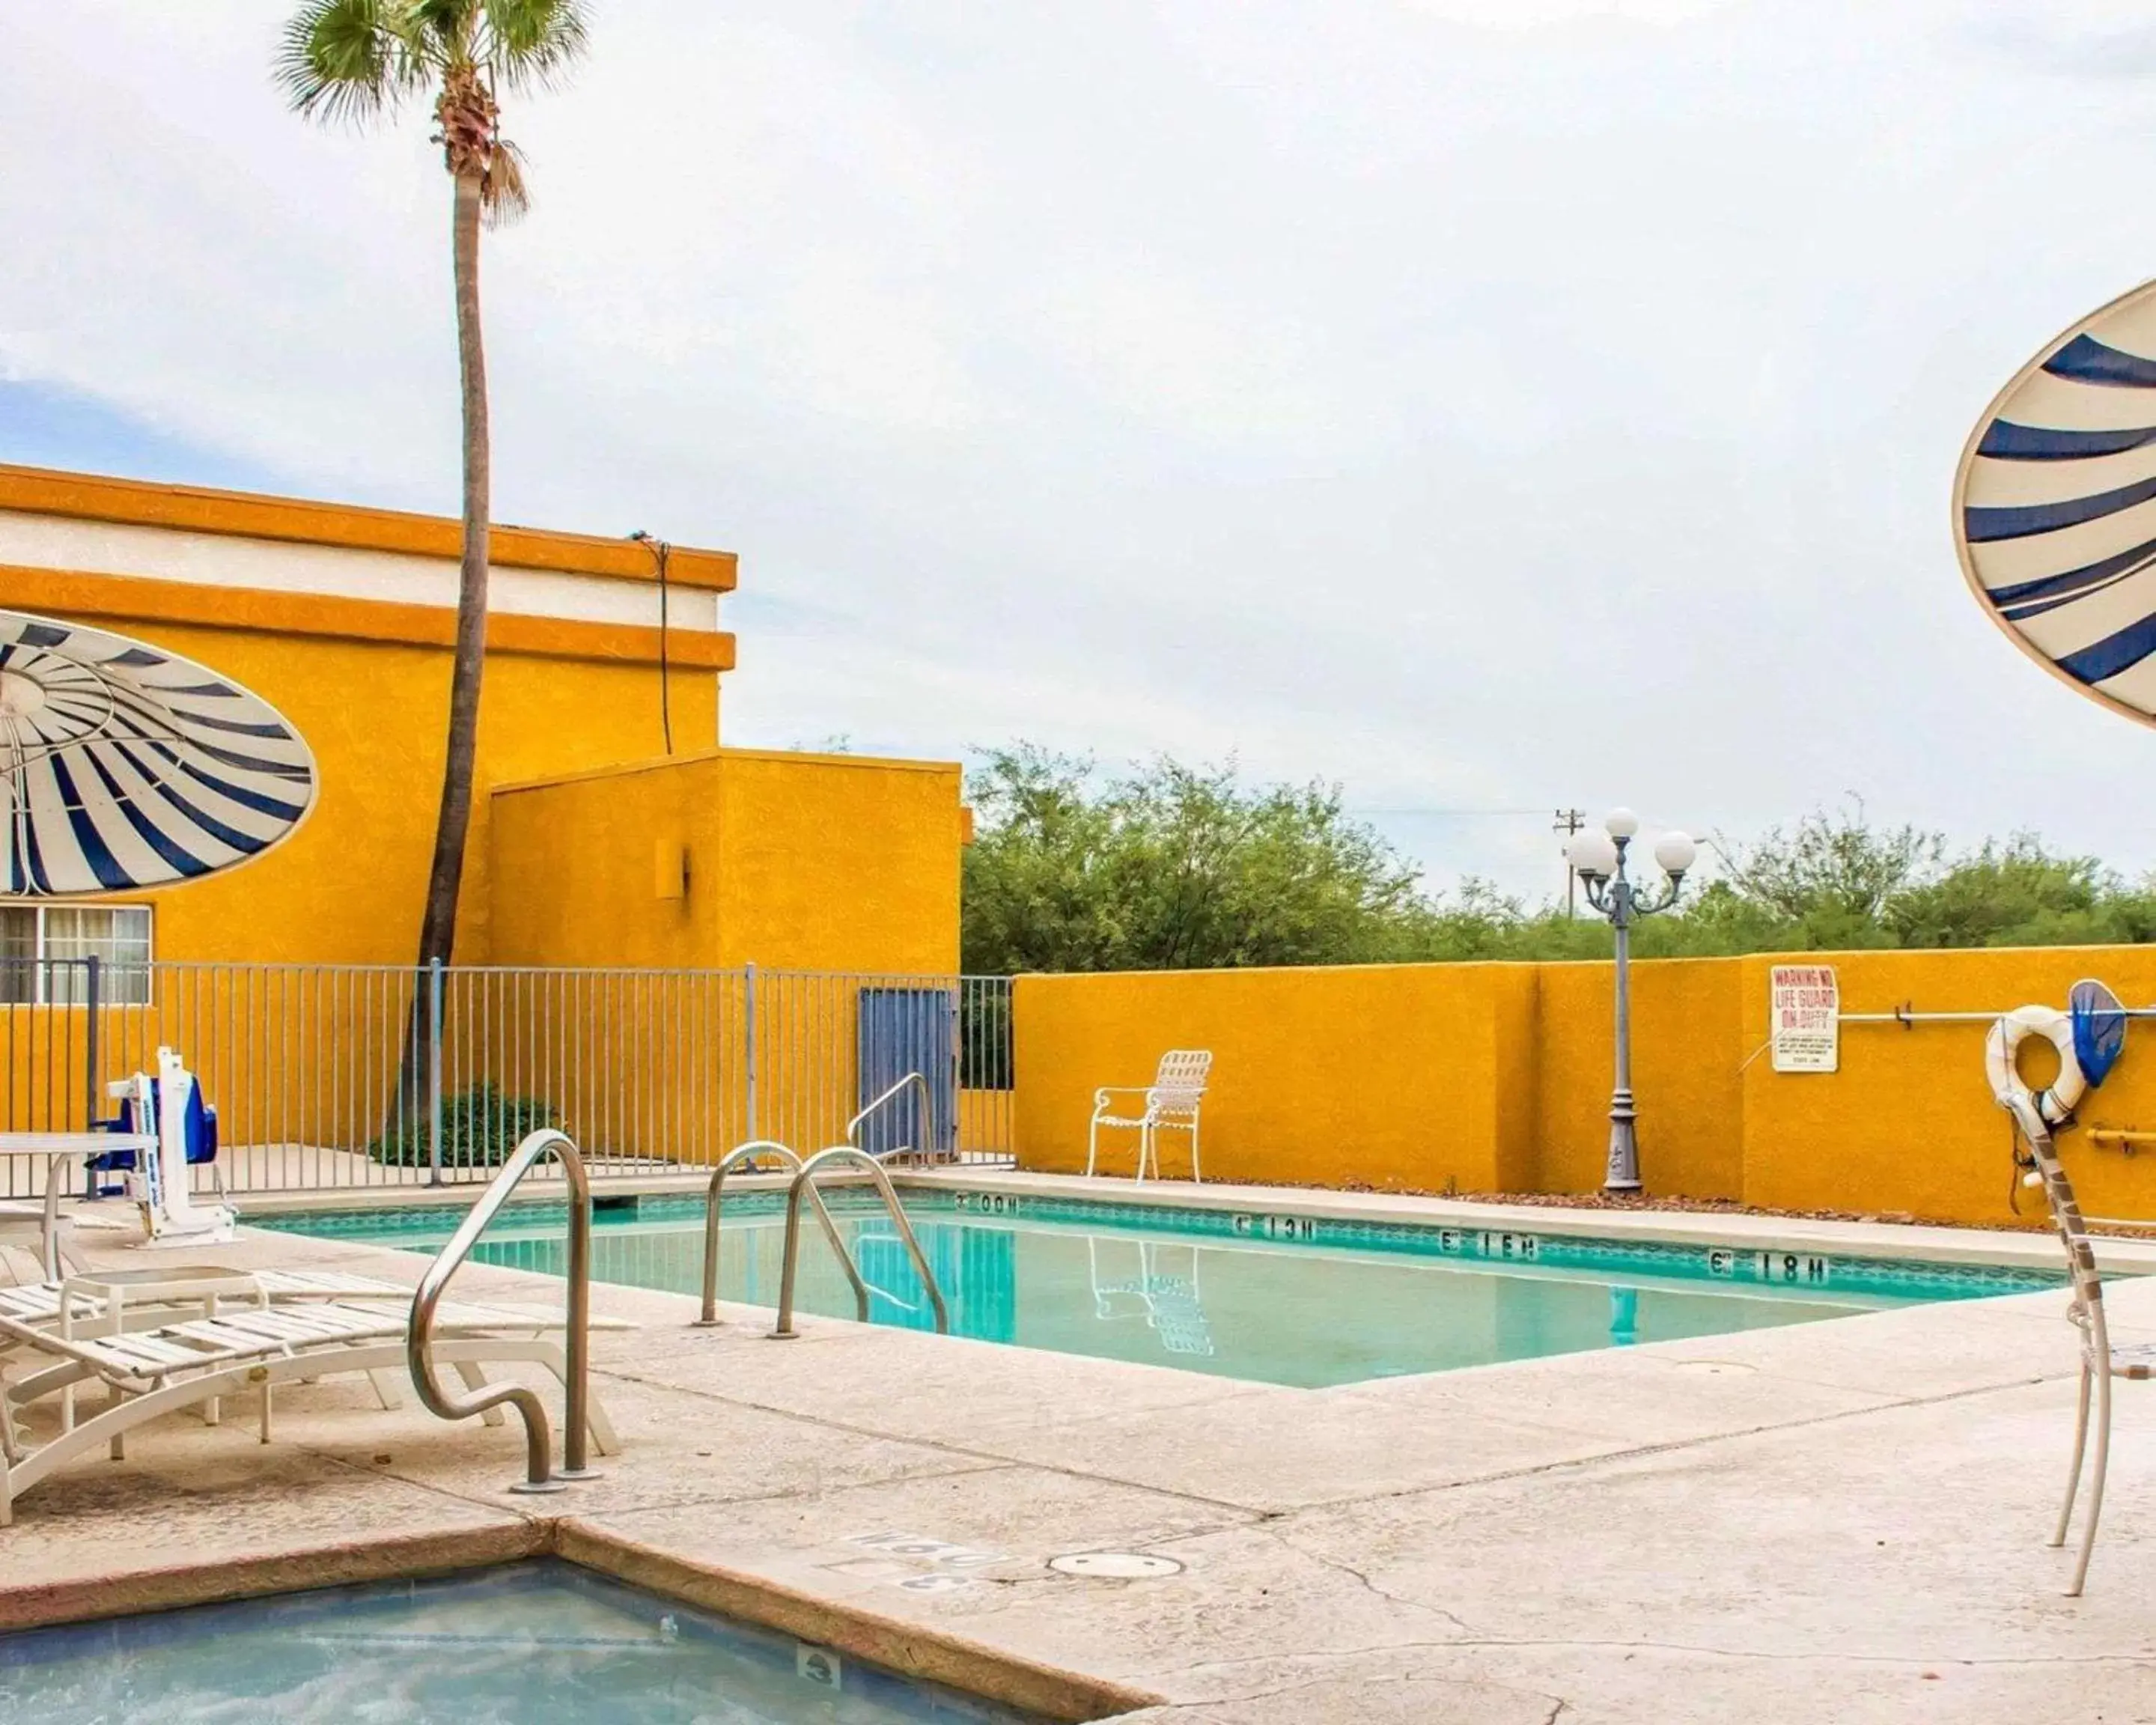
1569, 822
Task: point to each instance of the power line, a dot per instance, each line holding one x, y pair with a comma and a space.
1450, 813
1569, 821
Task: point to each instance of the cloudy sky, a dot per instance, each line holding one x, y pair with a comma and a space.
1489, 405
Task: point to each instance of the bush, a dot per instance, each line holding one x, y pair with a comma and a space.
1170, 867
479, 1127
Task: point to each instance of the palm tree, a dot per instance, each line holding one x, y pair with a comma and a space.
360, 60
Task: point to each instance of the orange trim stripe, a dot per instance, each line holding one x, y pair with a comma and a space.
133, 599
86, 496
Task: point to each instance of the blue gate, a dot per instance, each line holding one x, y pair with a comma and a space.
905, 1030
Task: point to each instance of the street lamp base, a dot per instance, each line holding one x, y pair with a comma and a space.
1622, 1173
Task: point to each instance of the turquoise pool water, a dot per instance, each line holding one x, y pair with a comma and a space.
1277, 1299
531, 1644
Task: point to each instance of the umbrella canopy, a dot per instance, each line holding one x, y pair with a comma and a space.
127, 767
2054, 506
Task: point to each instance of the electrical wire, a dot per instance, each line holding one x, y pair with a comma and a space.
661, 552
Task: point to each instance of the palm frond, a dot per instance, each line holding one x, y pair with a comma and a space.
506, 197
345, 60
531, 44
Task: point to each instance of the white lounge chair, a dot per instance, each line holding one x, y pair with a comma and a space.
1172, 1102
196, 1362
40, 1302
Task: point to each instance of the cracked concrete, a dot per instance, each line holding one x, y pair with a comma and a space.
1838, 1520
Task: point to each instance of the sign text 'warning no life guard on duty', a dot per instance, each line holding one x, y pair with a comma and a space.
1804, 1016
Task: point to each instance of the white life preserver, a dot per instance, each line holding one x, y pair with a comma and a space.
2056, 1105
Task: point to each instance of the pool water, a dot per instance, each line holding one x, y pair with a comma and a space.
529, 1644
1207, 1292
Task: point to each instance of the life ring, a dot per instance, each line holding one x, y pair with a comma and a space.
2056, 1105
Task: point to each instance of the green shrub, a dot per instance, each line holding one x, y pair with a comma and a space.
480, 1127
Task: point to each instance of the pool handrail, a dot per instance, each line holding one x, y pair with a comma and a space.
804, 1181
576, 1378
927, 1116
749, 1151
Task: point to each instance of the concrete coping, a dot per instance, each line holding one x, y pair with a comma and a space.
1918, 1243
1902, 1242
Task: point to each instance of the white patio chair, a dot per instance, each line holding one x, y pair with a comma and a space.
1172, 1102
1173, 1305
2101, 1359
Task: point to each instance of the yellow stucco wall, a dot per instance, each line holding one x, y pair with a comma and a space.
796, 861
1908, 1124
1378, 1075
342, 619
839, 862
575, 867
1685, 1030
1496, 1078
347, 887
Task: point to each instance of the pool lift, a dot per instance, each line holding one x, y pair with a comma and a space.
176, 1131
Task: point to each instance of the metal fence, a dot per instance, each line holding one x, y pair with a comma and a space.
330, 1077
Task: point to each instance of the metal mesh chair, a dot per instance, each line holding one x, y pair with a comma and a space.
1172, 1102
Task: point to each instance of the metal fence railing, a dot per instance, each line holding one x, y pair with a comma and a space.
331, 1076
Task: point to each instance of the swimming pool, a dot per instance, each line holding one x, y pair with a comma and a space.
1279, 1299
529, 1644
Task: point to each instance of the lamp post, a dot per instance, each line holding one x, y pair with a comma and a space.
1599, 858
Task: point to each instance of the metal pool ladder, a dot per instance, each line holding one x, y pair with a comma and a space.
804, 1188
447, 1405
803, 1185
749, 1153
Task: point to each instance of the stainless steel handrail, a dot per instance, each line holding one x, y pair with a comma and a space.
804, 1180
928, 1112
446, 1405
732, 1159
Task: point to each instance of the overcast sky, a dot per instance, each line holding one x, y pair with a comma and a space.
1489, 405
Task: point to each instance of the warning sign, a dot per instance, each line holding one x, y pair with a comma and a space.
1804, 1014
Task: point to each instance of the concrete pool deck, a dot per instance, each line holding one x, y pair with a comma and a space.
1836, 1521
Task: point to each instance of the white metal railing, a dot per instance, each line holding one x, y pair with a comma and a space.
332, 1076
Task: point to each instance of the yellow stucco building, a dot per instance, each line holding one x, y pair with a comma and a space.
591, 843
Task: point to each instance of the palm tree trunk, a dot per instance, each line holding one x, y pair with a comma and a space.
437, 924
438, 931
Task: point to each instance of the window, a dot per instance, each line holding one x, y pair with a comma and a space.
44, 951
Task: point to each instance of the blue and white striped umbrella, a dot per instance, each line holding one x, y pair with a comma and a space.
127, 767
2054, 506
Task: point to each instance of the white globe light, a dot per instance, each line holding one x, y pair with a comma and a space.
1676, 852
1594, 854
1622, 824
